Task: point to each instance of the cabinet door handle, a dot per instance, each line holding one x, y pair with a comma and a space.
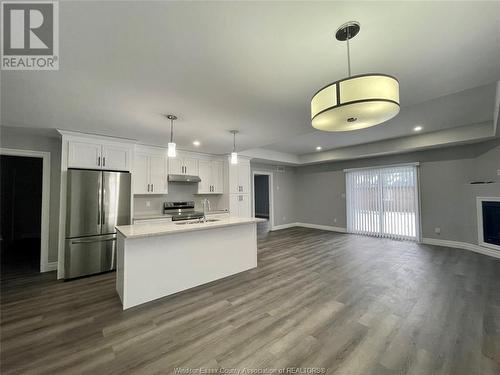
148, 188
98, 161
104, 161
152, 187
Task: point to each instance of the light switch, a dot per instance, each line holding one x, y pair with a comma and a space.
148, 203
437, 230
498, 172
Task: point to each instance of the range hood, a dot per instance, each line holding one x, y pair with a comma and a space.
183, 178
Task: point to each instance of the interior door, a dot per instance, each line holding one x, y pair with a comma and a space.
141, 173
115, 200
158, 175
191, 166
205, 173
84, 155
83, 208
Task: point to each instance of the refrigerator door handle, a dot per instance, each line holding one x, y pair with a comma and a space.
92, 240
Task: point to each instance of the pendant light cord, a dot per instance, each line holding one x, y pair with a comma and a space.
171, 130
348, 53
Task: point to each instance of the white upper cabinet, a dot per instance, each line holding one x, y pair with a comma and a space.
140, 174
211, 173
84, 155
239, 178
175, 165
115, 157
98, 154
158, 174
191, 166
183, 165
150, 171
205, 173
218, 176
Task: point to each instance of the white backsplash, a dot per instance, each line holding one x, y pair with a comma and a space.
176, 192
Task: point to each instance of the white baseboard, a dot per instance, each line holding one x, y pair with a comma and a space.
51, 266
462, 245
323, 227
283, 226
308, 225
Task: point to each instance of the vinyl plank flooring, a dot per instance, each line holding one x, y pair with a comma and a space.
349, 304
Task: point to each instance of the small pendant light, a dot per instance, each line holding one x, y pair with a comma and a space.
171, 152
234, 154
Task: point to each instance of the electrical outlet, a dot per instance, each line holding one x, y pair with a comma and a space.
343, 195
498, 172
437, 230
335, 220
148, 203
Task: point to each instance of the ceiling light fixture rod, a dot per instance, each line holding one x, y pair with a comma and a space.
172, 118
348, 53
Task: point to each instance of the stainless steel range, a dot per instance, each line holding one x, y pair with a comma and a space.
181, 210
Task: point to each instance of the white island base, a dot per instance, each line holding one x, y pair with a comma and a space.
157, 260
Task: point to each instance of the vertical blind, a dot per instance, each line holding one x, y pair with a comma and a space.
383, 202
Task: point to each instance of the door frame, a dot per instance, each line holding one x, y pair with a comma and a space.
45, 265
271, 196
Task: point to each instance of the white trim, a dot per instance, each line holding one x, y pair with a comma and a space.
271, 195
44, 230
284, 226
416, 164
323, 227
51, 266
462, 245
480, 229
312, 226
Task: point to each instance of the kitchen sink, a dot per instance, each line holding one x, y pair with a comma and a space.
196, 222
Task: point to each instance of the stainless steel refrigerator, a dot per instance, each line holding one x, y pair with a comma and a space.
97, 201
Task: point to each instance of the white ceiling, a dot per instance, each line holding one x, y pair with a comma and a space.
253, 66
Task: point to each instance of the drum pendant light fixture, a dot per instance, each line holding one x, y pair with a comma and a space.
355, 102
171, 150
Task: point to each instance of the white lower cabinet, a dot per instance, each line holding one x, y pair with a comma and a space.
240, 205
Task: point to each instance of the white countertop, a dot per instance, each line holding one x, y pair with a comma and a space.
166, 216
158, 229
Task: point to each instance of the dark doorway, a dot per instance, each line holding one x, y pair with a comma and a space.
21, 214
261, 199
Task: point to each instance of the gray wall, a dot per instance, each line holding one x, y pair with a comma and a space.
447, 198
284, 192
36, 140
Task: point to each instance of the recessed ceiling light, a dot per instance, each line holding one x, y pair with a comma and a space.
417, 128
319, 148
196, 143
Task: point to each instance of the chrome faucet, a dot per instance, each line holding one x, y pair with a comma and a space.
205, 202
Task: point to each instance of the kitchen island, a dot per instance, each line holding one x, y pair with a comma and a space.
155, 260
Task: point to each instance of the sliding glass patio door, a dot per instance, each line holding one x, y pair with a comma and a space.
383, 202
